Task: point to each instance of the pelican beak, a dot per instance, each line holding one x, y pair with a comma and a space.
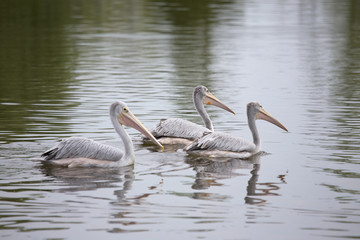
210, 99
264, 115
127, 118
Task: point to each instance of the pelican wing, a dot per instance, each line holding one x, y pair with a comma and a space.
179, 128
78, 147
221, 141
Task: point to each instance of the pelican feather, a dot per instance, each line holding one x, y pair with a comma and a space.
84, 152
218, 144
75, 147
179, 131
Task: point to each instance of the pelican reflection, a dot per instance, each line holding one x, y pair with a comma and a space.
210, 171
84, 179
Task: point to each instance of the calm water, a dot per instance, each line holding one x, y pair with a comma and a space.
62, 63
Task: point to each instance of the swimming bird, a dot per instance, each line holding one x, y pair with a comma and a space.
218, 144
180, 131
84, 152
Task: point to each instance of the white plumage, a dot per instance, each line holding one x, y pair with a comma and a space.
179, 128
218, 144
75, 147
222, 141
183, 131
84, 152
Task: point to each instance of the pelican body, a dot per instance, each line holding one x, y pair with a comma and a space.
84, 152
180, 131
218, 144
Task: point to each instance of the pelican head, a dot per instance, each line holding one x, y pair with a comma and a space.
208, 98
125, 117
256, 111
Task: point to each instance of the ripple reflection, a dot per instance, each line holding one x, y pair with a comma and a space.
209, 172
84, 179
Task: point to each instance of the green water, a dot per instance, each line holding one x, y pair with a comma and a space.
62, 63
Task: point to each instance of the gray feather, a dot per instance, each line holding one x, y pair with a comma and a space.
221, 141
76, 147
179, 128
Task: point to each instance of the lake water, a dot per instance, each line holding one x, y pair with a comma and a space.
62, 63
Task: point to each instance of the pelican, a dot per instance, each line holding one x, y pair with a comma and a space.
84, 152
217, 144
180, 131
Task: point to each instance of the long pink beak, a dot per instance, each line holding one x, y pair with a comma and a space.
128, 119
264, 115
210, 99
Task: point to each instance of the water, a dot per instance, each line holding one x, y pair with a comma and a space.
63, 63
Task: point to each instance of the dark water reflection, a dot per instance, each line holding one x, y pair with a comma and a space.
63, 63
210, 172
90, 179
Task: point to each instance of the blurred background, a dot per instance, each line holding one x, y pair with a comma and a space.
62, 63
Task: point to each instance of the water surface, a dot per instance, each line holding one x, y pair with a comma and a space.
63, 63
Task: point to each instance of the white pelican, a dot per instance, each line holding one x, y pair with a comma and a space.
219, 144
84, 152
180, 131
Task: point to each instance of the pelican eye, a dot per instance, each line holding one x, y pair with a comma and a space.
125, 109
